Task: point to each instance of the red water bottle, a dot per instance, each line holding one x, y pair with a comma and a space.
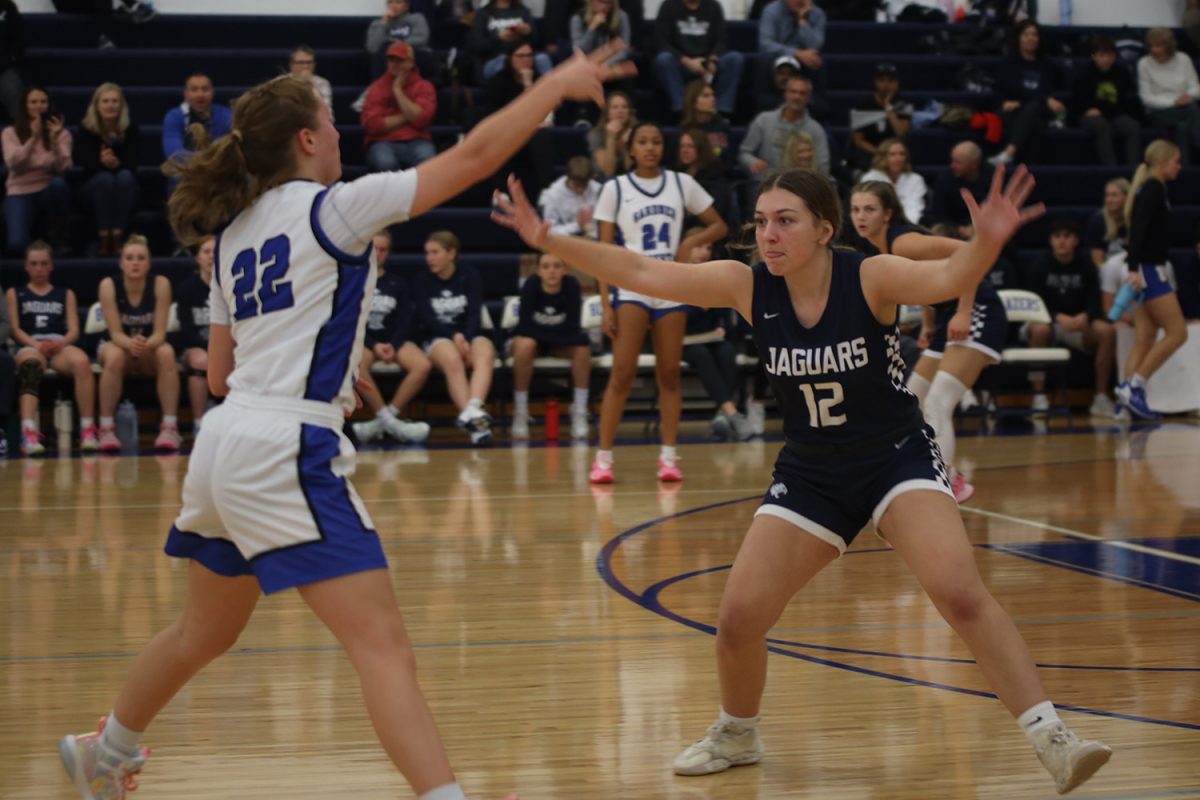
552, 420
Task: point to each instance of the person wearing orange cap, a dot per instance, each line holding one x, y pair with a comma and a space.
398, 113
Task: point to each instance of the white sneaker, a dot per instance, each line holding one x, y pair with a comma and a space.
1041, 404
742, 430
368, 431
721, 427
520, 426
1102, 406
406, 430
725, 746
97, 772
968, 401
1069, 759
579, 425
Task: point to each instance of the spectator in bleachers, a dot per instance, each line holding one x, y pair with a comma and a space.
499, 26
762, 149
1106, 231
599, 22
769, 93
700, 111
37, 152
302, 63
715, 361
891, 164
387, 340
1169, 89
689, 36
45, 326
883, 115
1106, 103
1069, 284
791, 34
449, 300
799, 151
1027, 85
194, 311
137, 305
967, 171
696, 158
12, 52
608, 141
1148, 213
399, 23
569, 202
533, 163
106, 148
398, 114
8, 382
194, 122
551, 306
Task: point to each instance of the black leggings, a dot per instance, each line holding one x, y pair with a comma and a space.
716, 365
8, 382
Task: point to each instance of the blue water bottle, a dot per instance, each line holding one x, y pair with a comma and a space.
1126, 297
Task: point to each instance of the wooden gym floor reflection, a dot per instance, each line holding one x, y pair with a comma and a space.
564, 639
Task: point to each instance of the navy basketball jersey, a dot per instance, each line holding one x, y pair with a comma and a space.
136, 320
895, 231
842, 380
42, 316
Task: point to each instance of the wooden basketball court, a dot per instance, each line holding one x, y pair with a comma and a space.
564, 632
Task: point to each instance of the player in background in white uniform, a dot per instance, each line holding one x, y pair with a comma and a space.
267, 500
648, 207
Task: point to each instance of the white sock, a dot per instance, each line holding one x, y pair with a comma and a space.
1038, 718
28, 425
581, 400
391, 409
384, 414
172, 422
667, 453
119, 738
918, 386
944, 394
604, 458
106, 422
1137, 381
451, 791
521, 401
741, 722
475, 402
85, 422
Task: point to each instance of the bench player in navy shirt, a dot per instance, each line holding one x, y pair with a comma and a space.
548, 323
960, 336
194, 310
857, 449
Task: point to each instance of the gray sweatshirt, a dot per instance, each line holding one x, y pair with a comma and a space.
769, 133
412, 28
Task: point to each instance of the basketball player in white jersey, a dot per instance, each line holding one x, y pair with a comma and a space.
647, 208
267, 504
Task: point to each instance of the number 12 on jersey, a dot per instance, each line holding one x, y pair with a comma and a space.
821, 408
251, 296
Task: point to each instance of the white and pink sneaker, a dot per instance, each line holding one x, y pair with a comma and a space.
600, 473
668, 470
963, 491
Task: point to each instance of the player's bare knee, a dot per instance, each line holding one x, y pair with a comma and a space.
960, 603
165, 355
668, 380
739, 623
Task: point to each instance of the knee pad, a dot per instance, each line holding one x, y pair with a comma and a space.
29, 377
944, 394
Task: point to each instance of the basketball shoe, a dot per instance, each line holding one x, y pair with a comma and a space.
726, 745
668, 470
1069, 759
98, 772
405, 430
367, 431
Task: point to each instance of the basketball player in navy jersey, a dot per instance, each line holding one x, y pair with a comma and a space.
967, 333
45, 326
857, 448
267, 502
193, 309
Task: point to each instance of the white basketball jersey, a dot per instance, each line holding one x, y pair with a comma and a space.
296, 304
649, 215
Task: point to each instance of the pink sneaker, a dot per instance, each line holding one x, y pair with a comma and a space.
600, 474
168, 438
89, 439
31, 443
963, 491
109, 443
98, 772
668, 471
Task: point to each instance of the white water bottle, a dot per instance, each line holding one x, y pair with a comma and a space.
64, 417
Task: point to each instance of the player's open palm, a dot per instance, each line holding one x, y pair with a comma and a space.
1003, 211
515, 212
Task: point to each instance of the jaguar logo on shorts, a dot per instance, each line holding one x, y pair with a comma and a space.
778, 490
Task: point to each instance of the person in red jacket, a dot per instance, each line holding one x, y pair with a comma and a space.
398, 114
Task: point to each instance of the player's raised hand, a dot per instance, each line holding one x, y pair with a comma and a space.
1003, 211
582, 76
515, 212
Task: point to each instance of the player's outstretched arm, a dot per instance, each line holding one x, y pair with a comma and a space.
492, 142
715, 284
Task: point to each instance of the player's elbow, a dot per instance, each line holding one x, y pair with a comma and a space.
218, 386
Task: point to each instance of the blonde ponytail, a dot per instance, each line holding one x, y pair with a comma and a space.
1157, 152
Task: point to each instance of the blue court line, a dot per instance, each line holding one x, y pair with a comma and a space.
650, 602
1192, 793
1013, 550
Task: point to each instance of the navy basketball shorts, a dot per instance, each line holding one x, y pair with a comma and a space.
268, 494
1157, 284
833, 499
989, 330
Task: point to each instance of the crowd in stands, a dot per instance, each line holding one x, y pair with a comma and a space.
727, 117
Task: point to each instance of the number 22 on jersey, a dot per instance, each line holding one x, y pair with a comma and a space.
821, 408
259, 286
